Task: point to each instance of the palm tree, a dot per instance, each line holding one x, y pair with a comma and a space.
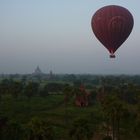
136, 130
31, 89
81, 130
3, 127
40, 130
15, 88
67, 91
44, 91
14, 131
113, 109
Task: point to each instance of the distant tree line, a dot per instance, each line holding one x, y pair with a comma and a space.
18, 88
116, 115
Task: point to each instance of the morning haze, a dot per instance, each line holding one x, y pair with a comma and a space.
57, 35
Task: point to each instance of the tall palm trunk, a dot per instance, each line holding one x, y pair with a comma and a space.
66, 114
118, 129
113, 126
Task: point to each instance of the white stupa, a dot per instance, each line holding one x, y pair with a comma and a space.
37, 71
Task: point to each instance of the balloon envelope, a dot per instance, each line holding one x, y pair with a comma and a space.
112, 25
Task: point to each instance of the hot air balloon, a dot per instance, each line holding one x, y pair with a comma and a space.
112, 25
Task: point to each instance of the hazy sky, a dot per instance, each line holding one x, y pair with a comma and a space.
57, 35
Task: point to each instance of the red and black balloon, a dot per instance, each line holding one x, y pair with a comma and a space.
112, 25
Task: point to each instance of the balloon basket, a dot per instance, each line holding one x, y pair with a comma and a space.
112, 56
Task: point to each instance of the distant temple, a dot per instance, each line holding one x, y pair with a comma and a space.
37, 71
82, 99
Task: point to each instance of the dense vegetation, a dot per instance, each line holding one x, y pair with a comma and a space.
38, 108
